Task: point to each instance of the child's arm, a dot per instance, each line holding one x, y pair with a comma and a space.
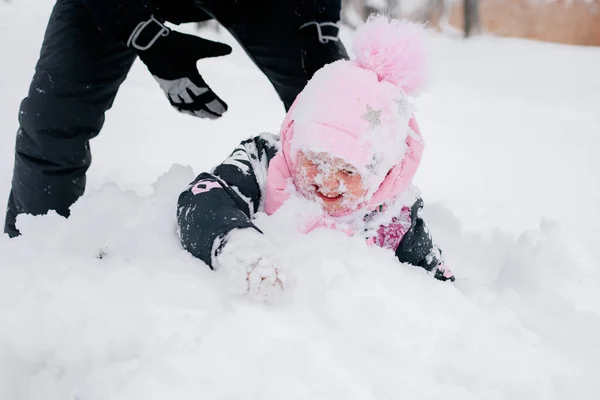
417, 247
216, 203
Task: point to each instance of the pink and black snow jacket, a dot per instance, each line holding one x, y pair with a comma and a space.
229, 196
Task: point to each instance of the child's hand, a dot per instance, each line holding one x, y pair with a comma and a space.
443, 273
252, 263
264, 280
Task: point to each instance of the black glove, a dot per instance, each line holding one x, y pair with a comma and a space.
171, 57
320, 45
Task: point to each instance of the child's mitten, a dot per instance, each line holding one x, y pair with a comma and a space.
252, 263
443, 273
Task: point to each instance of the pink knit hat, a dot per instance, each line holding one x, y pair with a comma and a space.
359, 111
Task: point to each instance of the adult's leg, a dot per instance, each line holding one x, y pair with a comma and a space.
76, 80
268, 31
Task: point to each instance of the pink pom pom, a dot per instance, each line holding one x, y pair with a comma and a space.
394, 50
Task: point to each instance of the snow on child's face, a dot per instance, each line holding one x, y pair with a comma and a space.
329, 180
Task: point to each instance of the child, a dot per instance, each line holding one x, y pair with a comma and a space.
349, 143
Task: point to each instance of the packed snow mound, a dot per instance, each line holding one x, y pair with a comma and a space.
107, 305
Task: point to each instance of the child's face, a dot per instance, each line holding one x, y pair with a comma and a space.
331, 181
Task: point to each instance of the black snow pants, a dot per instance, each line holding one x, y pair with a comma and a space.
77, 78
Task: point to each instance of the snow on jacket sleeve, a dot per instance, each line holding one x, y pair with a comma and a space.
318, 10
226, 199
417, 247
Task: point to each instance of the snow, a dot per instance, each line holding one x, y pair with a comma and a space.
509, 178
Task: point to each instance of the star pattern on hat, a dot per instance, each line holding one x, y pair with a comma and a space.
372, 116
401, 107
372, 166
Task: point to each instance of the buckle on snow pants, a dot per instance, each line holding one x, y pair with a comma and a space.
146, 28
327, 31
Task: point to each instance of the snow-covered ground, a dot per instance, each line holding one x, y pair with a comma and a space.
510, 179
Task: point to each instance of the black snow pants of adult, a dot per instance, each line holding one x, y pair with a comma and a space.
77, 78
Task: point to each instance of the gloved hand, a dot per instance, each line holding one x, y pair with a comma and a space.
252, 264
320, 45
171, 57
